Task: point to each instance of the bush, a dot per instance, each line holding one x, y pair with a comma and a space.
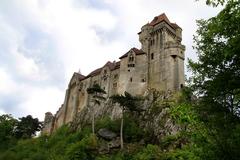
82, 149
150, 152
131, 130
107, 122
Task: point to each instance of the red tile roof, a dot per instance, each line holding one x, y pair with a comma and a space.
137, 51
158, 19
162, 17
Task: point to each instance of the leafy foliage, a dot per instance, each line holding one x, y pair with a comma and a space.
127, 101
27, 127
97, 92
7, 124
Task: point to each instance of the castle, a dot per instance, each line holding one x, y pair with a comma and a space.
159, 64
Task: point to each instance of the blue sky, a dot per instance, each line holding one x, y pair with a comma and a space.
42, 42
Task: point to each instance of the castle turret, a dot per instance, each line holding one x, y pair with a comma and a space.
144, 37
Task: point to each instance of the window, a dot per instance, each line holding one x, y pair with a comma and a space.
105, 71
181, 86
152, 55
131, 65
143, 80
130, 79
131, 58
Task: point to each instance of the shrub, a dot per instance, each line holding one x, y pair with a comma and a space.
150, 152
82, 149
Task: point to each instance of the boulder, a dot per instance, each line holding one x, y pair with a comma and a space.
106, 134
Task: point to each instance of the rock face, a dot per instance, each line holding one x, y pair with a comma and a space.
84, 117
106, 134
154, 117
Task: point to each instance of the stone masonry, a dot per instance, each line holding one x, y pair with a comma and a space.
159, 64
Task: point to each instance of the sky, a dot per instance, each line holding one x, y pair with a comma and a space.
43, 42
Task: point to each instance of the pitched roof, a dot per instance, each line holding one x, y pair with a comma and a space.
162, 17
175, 25
158, 19
112, 66
95, 72
137, 51
80, 76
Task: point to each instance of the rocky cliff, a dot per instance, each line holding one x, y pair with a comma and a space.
153, 116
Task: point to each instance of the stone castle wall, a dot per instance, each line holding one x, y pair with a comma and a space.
159, 64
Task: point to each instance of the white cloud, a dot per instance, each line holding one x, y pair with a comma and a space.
7, 85
2, 112
38, 101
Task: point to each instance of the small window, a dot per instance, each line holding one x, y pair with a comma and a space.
152, 55
143, 80
131, 65
129, 70
152, 42
181, 86
131, 58
130, 79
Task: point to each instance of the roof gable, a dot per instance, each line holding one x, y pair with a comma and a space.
111, 65
135, 50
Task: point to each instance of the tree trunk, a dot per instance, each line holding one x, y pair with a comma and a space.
121, 132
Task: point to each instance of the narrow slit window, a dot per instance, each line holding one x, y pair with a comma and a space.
152, 55
130, 79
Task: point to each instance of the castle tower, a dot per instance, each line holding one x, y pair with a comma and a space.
48, 123
161, 40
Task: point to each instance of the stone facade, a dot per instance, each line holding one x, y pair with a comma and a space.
159, 64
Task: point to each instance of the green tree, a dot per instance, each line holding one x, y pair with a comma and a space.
97, 96
126, 102
27, 127
217, 73
7, 125
216, 77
